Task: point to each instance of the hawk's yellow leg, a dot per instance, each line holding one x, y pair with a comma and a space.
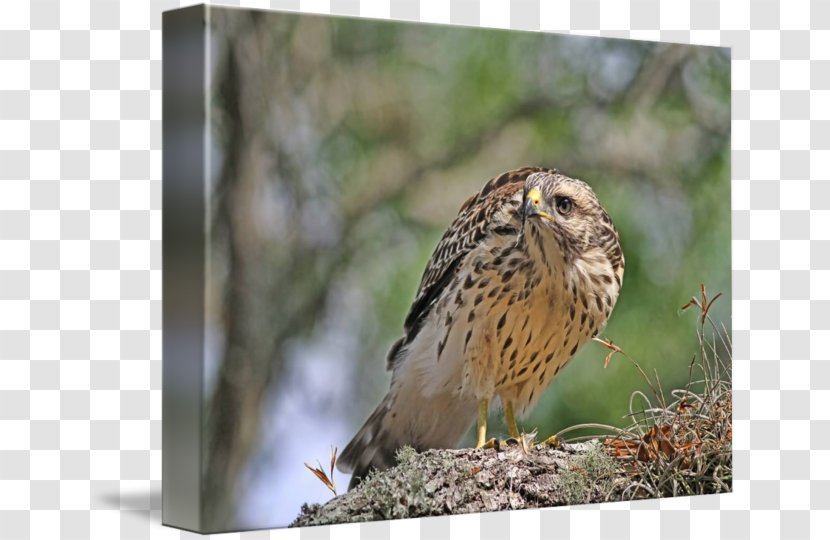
483, 405
510, 420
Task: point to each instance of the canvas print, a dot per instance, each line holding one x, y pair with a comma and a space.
416, 270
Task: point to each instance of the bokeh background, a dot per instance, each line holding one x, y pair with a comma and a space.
342, 148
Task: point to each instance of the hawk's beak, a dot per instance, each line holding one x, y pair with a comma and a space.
535, 205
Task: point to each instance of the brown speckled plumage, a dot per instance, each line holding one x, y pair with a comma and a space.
516, 285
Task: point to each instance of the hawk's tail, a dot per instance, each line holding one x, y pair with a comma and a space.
406, 417
372, 448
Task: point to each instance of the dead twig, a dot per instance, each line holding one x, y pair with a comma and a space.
327, 479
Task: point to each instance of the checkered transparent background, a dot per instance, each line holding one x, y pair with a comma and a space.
80, 267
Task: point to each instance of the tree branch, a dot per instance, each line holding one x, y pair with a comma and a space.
443, 482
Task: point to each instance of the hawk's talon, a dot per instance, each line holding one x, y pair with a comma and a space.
553, 440
512, 441
492, 443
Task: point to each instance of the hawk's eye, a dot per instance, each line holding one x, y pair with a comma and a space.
564, 205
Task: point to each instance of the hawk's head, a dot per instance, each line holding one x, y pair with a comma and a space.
568, 209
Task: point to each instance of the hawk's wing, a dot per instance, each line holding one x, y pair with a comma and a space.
463, 235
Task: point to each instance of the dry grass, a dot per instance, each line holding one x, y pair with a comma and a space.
679, 444
327, 478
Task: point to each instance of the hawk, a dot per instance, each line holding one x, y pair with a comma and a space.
528, 271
